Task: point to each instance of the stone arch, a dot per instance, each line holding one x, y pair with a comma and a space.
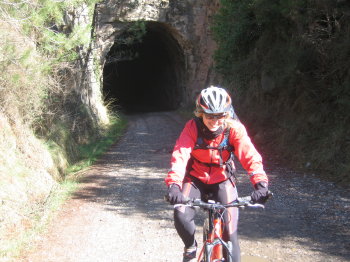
147, 75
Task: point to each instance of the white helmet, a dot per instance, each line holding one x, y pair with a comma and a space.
213, 100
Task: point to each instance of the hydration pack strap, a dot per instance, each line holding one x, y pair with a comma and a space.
224, 145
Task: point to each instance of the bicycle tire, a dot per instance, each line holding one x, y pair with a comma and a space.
229, 252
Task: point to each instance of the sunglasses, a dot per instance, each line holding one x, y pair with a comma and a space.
216, 117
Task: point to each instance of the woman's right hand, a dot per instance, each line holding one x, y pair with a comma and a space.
175, 195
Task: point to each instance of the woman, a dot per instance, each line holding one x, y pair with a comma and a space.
202, 162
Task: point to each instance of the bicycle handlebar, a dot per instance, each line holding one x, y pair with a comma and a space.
240, 202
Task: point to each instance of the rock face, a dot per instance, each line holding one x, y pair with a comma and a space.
182, 27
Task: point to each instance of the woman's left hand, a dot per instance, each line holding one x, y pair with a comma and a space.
260, 194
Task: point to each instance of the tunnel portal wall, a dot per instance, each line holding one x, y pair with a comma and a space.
183, 30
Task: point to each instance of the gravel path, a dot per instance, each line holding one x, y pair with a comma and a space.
119, 213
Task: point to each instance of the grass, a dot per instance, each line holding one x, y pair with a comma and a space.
40, 215
90, 152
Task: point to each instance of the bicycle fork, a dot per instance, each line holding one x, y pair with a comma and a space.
214, 243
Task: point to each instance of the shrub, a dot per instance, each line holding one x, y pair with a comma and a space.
301, 48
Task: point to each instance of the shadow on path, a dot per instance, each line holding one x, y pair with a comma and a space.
129, 180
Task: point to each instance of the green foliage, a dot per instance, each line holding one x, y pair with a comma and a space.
27, 66
20, 96
132, 33
130, 36
235, 32
303, 49
45, 20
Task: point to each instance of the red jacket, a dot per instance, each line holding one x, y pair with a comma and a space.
211, 174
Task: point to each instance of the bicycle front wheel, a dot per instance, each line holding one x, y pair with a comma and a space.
205, 238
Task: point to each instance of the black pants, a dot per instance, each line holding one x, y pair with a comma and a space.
224, 192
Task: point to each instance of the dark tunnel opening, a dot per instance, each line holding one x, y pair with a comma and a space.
145, 76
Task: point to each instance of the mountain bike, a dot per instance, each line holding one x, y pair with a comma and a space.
214, 247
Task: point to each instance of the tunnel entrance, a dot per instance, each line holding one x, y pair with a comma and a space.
147, 75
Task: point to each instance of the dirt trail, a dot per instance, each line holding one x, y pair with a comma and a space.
119, 213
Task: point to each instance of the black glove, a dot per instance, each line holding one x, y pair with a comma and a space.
175, 195
260, 193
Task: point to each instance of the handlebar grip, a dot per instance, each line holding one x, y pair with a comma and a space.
245, 199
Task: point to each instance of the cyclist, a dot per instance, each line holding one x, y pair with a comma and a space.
202, 163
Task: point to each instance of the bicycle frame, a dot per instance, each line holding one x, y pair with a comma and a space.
213, 246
